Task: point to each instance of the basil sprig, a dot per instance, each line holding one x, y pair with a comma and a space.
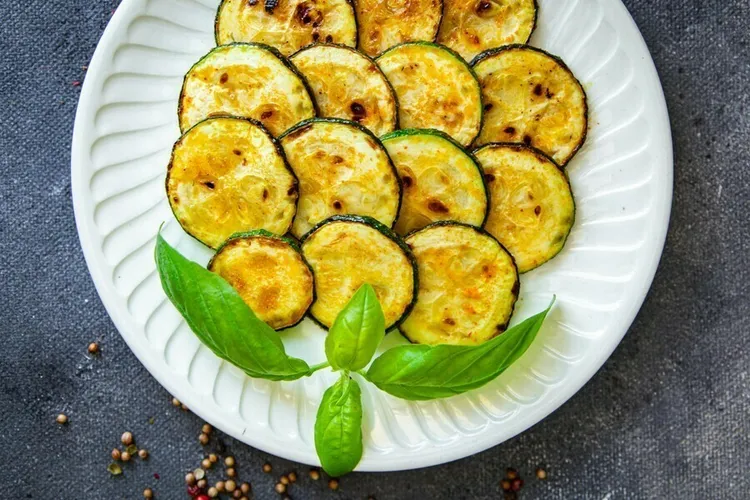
421, 372
338, 427
356, 332
222, 321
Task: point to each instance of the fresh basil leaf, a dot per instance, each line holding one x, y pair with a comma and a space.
357, 331
338, 427
422, 372
221, 320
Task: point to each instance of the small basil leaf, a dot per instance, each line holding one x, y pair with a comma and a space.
338, 427
357, 331
421, 372
221, 320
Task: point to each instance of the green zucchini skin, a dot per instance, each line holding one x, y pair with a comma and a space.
385, 231
543, 157
291, 67
457, 57
395, 123
278, 150
312, 121
291, 242
442, 135
515, 289
499, 50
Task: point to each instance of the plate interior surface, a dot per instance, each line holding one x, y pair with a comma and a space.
622, 182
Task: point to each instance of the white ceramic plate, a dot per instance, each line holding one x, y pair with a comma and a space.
622, 180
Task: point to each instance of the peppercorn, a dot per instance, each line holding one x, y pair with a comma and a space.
541, 474
511, 473
284, 480
148, 493
127, 438
143, 454
333, 484
125, 456
230, 486
229, 461
206, 463
245, 487
203, 438
207, 429
175, 402
202, 484
190, 478
115, 454
62, 419
93, 348
517, 484
213, 492
267, 468
314, 474
237, 494
280, 488
213, 458
292, 477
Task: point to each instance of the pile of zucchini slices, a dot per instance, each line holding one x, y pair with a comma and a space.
415, 145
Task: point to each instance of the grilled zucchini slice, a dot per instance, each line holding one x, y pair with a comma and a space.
473, 26
441, 180
342, 169
287, 25
347, 251
385, 24
468, 286
348, 84
269, 273
248, 80
531, 97
228, 175
435, 88
532, 208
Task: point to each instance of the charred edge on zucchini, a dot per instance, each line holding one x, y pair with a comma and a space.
460, 60
263, 46
381, 52
515, 289
542, 157
354, 50
385, 231
304, 125
452, 141
262, 233
277, 147
492, 52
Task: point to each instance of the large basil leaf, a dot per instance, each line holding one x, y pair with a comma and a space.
338, 427
421, 372
221, 320
357, 331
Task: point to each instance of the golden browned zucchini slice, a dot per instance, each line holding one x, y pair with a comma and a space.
229, 175
287, 25
473, 26
269, 273
533, 98
247, 80
468, 286
348, 84
435, 88
532, 208
347, 251
342, 169
385, 23
441, 181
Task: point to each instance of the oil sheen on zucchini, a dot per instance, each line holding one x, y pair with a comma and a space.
473, 26
441, 181
269, 273
342, 169
531, 97
248, 80
468, 286
383, 24
347, 84
287, 25
229, 175
532, 208
346, 252
435, 88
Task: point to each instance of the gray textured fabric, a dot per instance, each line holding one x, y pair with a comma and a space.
667, 417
